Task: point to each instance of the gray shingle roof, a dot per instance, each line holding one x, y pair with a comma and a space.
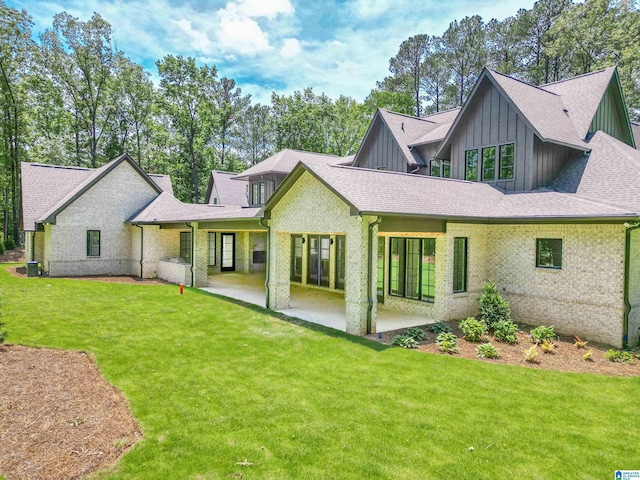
407, 130
230, 192
168, 209
393, 193
581, 96
444, 120
284, 161
47, 189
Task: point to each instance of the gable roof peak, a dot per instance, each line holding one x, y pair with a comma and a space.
577, 77
538, 87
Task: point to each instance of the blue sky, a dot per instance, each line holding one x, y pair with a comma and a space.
335, 46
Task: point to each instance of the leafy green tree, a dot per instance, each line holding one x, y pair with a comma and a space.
502, 45
253, 137
227, 106
387, 95
437, 77
80, 59
185, 97
409, 63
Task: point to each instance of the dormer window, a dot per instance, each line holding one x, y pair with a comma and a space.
258, 193
440, 168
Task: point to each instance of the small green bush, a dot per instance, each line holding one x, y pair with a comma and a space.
542, 333
619, 356
440, 327
404, 341
493, 308
486, 350
473, 330
416, 333
447, 342
506, 331
9, 244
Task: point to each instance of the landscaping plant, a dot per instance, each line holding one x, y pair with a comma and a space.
473, 330
619, 356
3, 332
440, 327
493, 308
416, 333
542, 333
447, 342
506, 331
404, 341
580, 343
531, 354
587, 356
486, 350
547, 346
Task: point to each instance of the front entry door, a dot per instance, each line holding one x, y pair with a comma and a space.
228, 252
319, 261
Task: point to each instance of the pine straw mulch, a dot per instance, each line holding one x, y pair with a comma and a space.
58, 417
566, 357
12, 256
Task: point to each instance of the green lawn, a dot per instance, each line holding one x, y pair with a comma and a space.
212, 383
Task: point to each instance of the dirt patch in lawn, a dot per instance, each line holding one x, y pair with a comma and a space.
58, 417
21, 272
566, 356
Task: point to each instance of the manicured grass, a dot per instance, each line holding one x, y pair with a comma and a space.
213, 383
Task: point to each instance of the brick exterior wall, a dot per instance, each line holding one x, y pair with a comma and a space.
106, 206
309, 207
634, 288
159, 244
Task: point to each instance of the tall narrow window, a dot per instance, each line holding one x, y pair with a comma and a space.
446, 168
507, 160
262, 193
185, 246
212, 248
435, 168
471, 165
412, 268
459, 264
428, 270
93, 243
380, 269
549, 253
296, 258
255, 200
341, 253
489, 163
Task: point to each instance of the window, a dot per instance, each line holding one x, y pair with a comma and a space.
212, 248
258, 193
459, 264
341, 253
93, 243
296, 257
440, 168
471, 165
507, 157
383, 168
489, 163
549, 253
185, 246
380, 269
412, 268
262, 193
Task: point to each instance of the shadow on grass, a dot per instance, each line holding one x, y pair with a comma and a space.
331, 332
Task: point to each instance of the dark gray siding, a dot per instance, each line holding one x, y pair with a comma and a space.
271, 182
490, 120
610, 116
427, 152
381, 150
548, 160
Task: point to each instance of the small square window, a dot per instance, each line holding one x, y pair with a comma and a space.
549, 253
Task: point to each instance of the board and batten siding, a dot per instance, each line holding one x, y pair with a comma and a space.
610, 116
490, 120
427, 152
381, 150
548, 161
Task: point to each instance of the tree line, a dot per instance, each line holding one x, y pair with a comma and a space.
70, 97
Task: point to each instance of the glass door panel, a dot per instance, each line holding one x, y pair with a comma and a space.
228, 252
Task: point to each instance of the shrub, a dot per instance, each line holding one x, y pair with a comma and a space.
531, 354
493, 308
473, 330
580, 343
404, 341
9, 244
547, 346
506, 331
447, 342
587, 356
416, 333
1, 252
619, 356
3, 332
542, 333
440, 327
486, 350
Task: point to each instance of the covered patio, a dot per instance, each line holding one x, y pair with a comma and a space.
315, 305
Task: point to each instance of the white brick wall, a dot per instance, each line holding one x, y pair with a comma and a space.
106, 206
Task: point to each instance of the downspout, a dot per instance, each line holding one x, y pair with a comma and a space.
627, 265
33, 246
267, 263
141, 248
192, 252
370, 273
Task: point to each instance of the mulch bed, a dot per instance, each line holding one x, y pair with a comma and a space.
21, 272
12, 256
58, 417
566, 356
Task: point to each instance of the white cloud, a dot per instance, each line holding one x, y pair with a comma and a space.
199, 40
372, 8
264, 8
291, 48
241, 34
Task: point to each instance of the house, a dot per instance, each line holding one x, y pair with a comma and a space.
223, 189
532, 187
